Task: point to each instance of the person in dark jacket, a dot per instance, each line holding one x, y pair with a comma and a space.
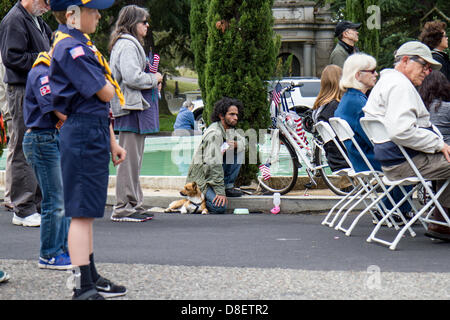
347, 34
23, 34
326, 103
435, 37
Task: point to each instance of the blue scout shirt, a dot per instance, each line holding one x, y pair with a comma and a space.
76, 76
37, 107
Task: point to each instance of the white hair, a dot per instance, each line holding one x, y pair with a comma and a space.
355, 63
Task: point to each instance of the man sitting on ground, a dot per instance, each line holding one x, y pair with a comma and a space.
219, 157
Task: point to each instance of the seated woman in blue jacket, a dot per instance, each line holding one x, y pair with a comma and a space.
359, 75
185, 118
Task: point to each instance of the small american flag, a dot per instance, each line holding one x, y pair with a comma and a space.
44, 80
265, 171
276, 95
77, 52
154, 63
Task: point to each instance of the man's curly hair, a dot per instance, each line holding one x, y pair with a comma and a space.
432, 33
221, 108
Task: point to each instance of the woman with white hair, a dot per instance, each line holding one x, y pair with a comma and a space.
359, 75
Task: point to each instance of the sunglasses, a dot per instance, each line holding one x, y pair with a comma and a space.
144, 22
370, 71
47, 2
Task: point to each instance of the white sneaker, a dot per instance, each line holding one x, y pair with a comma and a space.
31, 221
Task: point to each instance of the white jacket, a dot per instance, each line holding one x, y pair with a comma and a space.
395, 101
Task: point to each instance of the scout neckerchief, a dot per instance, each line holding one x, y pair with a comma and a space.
61, 35
44, 58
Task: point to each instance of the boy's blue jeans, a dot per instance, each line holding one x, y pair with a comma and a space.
41, 149
230, 173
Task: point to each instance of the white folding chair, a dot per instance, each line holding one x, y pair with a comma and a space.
377, 133
345, 132
328, 135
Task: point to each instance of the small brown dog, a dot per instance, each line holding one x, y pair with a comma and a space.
193, 203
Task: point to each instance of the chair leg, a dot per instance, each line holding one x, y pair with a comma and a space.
389, 215
399, 236
355, 221
343, 200
339, 226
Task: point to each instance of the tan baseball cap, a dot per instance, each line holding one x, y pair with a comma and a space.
417, 48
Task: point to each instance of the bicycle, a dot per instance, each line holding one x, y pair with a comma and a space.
292, 149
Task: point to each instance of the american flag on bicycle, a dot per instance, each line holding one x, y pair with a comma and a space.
276, 94
265, 171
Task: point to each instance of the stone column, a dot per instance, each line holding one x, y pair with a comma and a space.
307, 60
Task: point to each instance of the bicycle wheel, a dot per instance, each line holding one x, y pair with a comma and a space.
284, 172
340, 185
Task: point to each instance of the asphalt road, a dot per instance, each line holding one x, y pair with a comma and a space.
256, 256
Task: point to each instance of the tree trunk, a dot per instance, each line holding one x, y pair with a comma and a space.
163, 105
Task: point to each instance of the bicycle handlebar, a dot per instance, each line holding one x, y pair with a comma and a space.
291, 87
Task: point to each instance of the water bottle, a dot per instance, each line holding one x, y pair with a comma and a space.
276, 203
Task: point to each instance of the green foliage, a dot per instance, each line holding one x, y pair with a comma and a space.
166, 122
240, 57
356, 10
199, 35
5, 6
401, 21
241, 50
284, 69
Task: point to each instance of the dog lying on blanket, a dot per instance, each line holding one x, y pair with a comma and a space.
193, 203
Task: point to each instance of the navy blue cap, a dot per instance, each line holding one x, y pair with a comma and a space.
344, 25
61, 5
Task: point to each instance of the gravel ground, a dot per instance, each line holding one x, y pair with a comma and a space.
156, 282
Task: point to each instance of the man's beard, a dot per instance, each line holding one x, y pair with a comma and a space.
37, 10
230, 125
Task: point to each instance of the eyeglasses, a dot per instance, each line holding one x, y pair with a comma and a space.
370, 71
47, 2
145, 22
425, 65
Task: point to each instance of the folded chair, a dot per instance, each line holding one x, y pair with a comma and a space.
327, 134
344, 132
377, 133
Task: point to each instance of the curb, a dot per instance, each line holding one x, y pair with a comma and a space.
160, 191
255, 204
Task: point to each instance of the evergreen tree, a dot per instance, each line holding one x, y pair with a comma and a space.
241, 54
369, 35
199, 35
